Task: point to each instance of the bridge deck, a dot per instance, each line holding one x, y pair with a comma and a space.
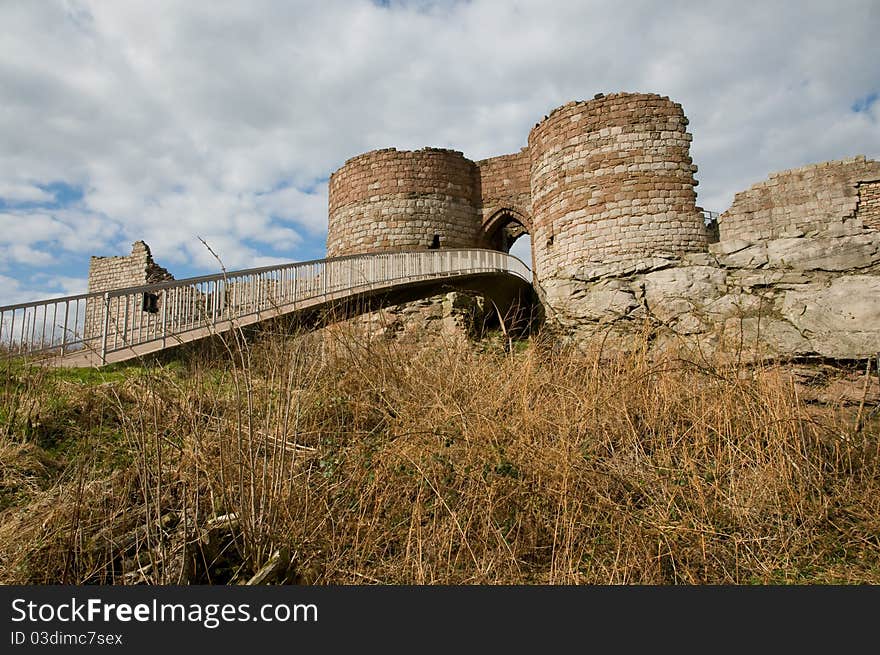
101, 328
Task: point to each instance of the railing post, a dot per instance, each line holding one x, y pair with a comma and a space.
214, 300
125, 323
105, 327
43, 328
64, 328
164, 317
54, 324
33, 328
252, 295
12, 332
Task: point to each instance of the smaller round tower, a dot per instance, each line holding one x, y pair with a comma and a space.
387, 200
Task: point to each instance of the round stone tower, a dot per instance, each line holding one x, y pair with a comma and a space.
388, 200
612, 180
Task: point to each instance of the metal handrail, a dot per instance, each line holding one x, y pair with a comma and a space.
109, 321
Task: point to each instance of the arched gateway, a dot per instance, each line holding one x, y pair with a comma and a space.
504, 228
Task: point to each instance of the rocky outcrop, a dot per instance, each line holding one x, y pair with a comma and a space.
793, 296
451, 315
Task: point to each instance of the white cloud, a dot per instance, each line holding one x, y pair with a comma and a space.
13, 290
16, 290
19, 192
224, 119
69, 286
19, 253
69, 230
522, 248
292, 205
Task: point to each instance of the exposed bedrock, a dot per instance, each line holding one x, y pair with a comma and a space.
783, 297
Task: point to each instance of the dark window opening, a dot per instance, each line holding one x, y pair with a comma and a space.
550, 241
435, 243
151, 303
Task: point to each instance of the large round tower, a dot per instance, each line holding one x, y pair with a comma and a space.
611, 180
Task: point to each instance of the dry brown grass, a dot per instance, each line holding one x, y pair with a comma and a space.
374, 461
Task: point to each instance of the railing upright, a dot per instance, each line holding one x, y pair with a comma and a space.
105, 324
164, 300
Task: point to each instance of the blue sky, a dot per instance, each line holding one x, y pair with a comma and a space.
168, 121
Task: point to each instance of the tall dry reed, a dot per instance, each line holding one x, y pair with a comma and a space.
353, 460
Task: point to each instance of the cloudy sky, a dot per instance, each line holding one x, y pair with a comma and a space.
173, 120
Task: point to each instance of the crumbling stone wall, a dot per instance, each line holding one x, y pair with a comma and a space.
388, 200
128, 271
604, 180
868, 208
607, 180
106, 273
611, 180
816, 199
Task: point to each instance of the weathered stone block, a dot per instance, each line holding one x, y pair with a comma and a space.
674, 292
842, 320
835, 254
765, 336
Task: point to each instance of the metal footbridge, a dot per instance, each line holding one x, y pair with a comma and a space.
94, 329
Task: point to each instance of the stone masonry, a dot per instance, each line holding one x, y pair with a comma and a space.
612, 180
868, 209
606, 179
132, 270
810, 288
505, 186
107, 273
390, 200
820, 198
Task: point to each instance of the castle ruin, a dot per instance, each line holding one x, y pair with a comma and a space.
606, 190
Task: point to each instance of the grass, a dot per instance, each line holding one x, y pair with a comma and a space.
360, 461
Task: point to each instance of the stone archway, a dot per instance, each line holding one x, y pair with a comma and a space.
508, 229
504, 227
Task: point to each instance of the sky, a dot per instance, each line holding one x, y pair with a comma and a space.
174, 121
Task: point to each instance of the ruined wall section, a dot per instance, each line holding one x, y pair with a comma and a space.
439, 318
388, 200
128, 271
106, 273
868, 208
812, 200
611, 180
505, 184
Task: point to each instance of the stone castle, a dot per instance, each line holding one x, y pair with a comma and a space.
601, 181
605, 188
